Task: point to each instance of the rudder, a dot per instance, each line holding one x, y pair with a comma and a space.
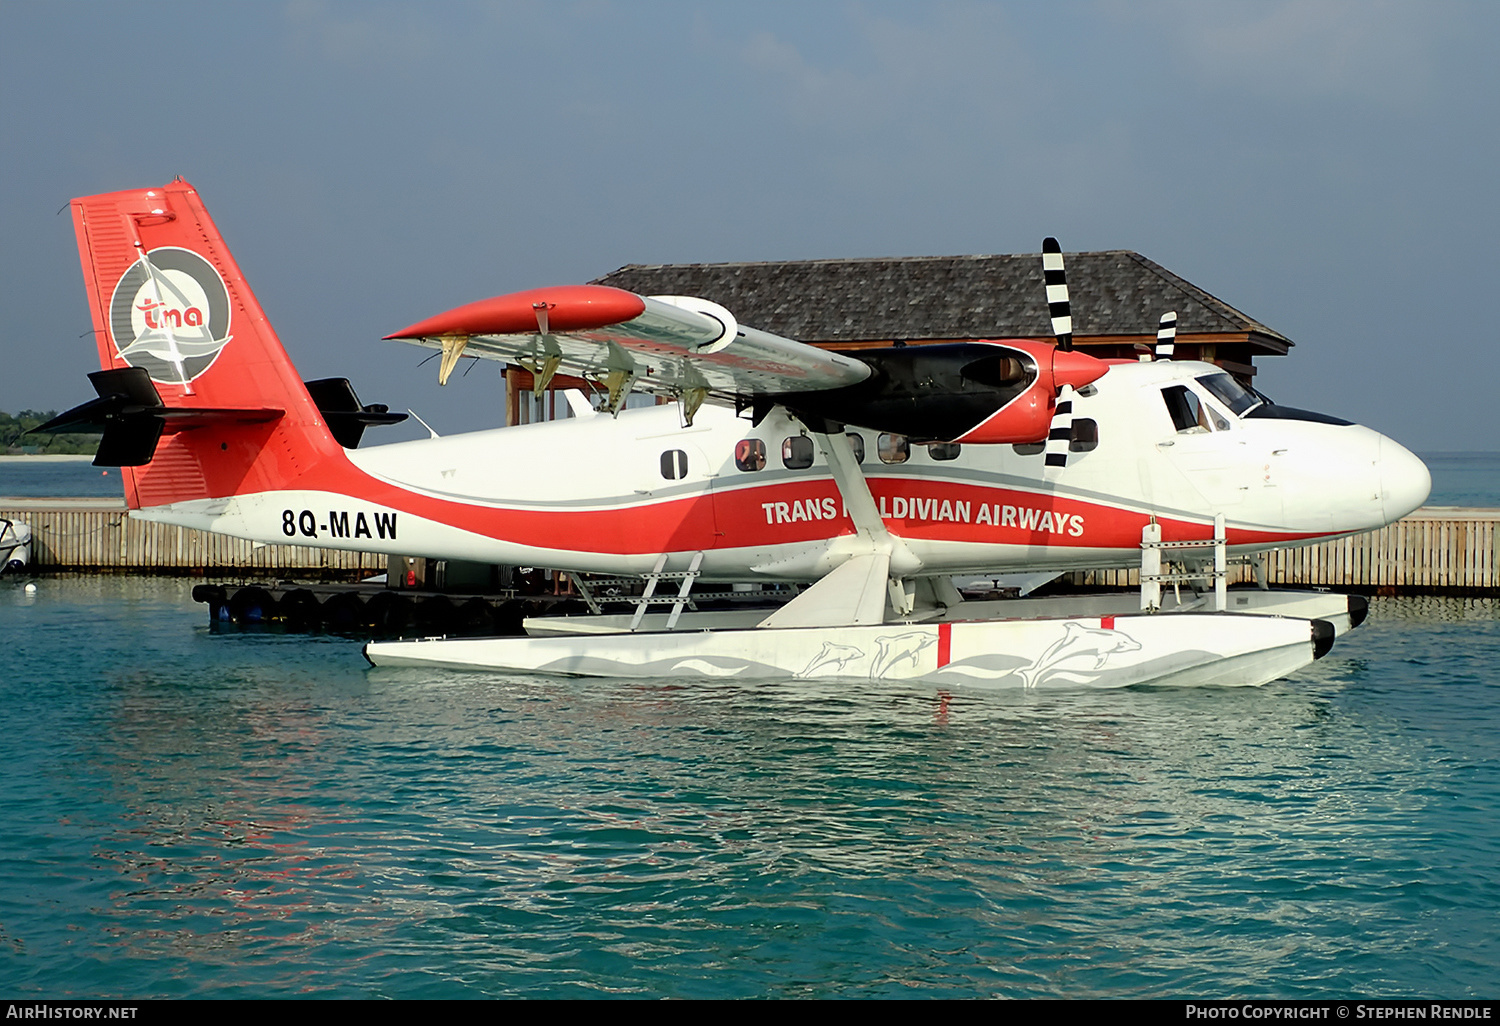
168, 300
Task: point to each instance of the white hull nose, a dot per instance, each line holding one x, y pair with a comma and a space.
1405, 481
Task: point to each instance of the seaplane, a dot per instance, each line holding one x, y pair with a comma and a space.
859, 484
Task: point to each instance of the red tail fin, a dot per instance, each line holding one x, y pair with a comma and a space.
168, 298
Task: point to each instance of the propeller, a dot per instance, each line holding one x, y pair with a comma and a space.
1056, 280
1166, 335
1055, 277
1061, 432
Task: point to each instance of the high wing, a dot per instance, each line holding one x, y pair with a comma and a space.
664, 345
694, 350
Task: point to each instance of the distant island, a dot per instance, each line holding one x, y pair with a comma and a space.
15, 442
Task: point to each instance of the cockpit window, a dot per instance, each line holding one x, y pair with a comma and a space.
1230, 392
1189, 416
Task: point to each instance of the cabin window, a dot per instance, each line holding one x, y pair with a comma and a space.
750, 454
797, 452
944, 451
1188, 415
1029, 448
857, 442
1085, 435
674, 464
893, 448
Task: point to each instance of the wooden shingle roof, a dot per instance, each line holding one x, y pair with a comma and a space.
1115, 293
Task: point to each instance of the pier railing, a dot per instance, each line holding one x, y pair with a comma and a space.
1438, 549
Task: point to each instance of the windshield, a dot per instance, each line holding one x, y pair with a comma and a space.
1230, 392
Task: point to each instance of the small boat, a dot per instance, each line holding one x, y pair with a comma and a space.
15, 545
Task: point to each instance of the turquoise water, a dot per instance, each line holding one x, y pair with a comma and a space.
1464, 478
193, 814
50, 479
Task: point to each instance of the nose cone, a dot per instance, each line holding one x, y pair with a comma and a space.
1070, 367
1404, 480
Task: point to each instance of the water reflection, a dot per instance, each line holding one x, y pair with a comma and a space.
266, 807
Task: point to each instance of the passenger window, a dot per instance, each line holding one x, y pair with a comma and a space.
893, 448
1188, 414
674, 464
1029, 448
1085, 436
750, 454
797, 452
944, 451
858, 443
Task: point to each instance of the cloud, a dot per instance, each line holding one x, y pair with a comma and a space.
1375, 51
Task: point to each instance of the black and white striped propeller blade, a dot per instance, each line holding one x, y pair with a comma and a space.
1056, 280
1166, 336
1061, 432
1061, 311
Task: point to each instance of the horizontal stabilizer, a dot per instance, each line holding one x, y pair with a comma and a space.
132, 416
342, 412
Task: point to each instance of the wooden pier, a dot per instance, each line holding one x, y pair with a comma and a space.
98, 535
1437, 550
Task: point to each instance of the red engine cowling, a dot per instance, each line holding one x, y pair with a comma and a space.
1028, 417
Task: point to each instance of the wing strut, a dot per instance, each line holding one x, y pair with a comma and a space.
857, 590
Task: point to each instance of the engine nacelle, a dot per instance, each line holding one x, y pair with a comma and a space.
975, 392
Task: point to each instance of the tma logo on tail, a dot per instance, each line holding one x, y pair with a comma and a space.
339, 523
169, 315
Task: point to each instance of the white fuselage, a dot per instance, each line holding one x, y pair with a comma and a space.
610, 494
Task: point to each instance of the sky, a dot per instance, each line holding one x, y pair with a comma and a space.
1327, 167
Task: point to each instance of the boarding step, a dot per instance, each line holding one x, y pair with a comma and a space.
648, 597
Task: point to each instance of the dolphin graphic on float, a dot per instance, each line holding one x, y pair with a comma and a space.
1078, 645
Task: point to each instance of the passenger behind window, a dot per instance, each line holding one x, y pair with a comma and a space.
858, 442
893, 448
750, 454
